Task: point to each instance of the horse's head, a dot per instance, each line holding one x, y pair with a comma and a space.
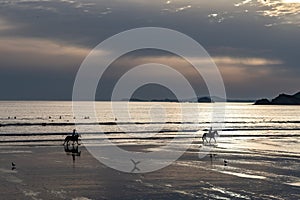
216, 133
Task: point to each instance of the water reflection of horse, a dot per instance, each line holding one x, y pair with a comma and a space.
74, 150
211, 135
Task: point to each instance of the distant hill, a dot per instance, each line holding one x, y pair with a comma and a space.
282, 99
199, 100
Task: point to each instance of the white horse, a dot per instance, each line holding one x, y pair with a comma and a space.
211, 135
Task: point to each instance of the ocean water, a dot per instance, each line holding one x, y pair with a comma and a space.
260, 143
48, 122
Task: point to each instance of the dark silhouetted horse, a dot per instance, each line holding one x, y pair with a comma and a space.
211, 135
74, 139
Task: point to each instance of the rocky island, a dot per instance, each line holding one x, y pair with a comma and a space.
282, 99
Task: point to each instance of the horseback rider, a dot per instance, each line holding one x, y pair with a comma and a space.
74, 133
211, 134
210, 130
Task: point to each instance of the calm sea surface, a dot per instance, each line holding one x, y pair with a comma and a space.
260, 142
274, 128
47, 122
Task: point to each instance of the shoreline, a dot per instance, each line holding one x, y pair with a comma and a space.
47, 172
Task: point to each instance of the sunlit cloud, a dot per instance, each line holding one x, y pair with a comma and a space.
38, 53
4, 25
240, 70
232, 69
285, 11
68, 1
215, 17
246, 61
32, 4
183, 8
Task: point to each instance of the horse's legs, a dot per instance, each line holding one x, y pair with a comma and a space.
204, 138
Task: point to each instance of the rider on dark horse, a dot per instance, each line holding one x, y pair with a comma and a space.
73, 138
74, 133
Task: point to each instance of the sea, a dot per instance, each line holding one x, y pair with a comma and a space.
271, 127
266, 135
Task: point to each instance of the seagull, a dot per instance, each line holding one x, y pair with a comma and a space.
13, 166
135, 165
225, 162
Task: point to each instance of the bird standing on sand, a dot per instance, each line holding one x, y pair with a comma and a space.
13, 166
225, 162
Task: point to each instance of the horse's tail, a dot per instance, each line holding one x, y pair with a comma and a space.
65, 141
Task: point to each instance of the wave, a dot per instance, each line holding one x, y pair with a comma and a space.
162, 138
194, 132
137, 123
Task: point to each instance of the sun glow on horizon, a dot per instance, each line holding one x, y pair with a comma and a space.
290, 1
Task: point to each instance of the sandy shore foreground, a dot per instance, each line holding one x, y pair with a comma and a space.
49, 173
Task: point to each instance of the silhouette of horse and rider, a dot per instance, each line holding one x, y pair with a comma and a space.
74, 138
211, 135
74, 150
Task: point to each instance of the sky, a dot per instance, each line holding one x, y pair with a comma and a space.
254, 43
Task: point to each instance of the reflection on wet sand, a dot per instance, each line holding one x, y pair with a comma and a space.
72, 150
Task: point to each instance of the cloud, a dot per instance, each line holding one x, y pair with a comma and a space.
234, 69
16, 53
284, 11
5, 26
56, 35
251, 61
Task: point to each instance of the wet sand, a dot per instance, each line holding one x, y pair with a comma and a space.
48, 172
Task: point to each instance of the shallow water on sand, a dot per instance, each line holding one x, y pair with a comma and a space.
276, 127
259, 143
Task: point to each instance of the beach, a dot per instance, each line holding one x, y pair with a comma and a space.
47, 172
149, 100
255, 156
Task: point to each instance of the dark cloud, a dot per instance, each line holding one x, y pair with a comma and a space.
60, 33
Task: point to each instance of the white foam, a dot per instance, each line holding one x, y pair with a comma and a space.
243, 175
294, 184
